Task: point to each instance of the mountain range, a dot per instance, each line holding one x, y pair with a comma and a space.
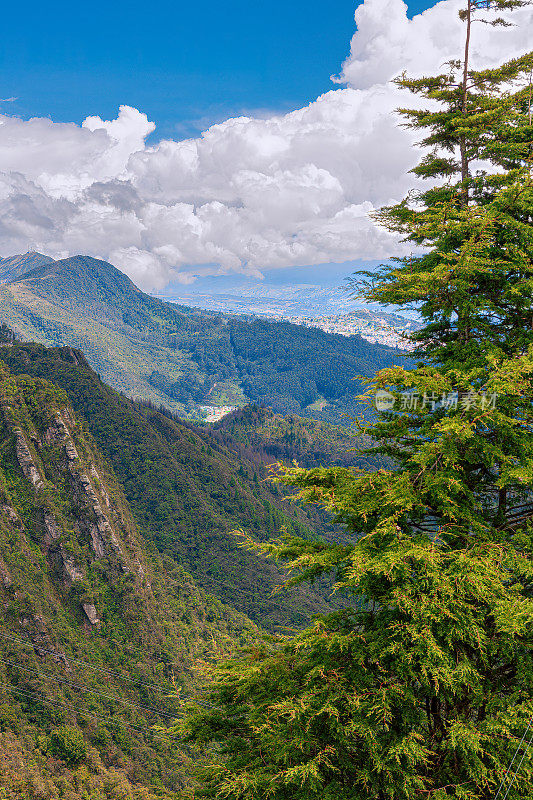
188, 491
175, 355
122, 575
122, 570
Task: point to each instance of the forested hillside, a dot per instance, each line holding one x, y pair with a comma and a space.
272, 437
187, 491
97, 629
176, 355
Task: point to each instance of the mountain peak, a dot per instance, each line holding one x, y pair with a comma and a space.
85, 281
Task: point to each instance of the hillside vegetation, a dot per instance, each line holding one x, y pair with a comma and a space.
97, 630
271, 437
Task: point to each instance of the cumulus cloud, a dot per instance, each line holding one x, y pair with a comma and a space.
386, 42
250, 193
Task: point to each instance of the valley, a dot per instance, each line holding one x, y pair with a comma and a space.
179, 357
266, 401
121, 570
122, 567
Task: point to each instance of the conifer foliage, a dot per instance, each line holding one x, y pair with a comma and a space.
423, 687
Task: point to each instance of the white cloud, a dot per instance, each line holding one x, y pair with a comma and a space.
387, 43
250, 193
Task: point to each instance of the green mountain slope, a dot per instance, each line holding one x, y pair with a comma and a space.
271, 437
96, 629
176, 355
187, 491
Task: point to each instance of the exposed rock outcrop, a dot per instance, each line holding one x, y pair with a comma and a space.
103, 492
52, 531
102, 522
52, 540
11, 515
72, 453
26, 461
98, 541
90, 611
57, 432
102, 528
70, 567
5, 576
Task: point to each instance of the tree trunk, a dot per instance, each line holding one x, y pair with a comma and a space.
464, 104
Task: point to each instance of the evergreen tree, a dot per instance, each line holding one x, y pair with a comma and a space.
483, 115
423, 688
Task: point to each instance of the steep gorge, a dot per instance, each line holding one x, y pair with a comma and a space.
188, 492
98, 634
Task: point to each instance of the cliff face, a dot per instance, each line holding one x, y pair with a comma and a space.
187, 491
54, 489
95, 632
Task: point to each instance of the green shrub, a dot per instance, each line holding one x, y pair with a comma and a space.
68, 744
9, 719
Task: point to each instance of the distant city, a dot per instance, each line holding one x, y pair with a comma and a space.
269, 300
331, 309
388, 329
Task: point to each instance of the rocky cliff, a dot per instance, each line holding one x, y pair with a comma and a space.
99, 638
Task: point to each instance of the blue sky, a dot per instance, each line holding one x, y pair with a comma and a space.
268, 191
185, 65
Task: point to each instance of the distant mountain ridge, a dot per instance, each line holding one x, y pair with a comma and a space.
15, 266
174, 355
93, 273
84, 281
